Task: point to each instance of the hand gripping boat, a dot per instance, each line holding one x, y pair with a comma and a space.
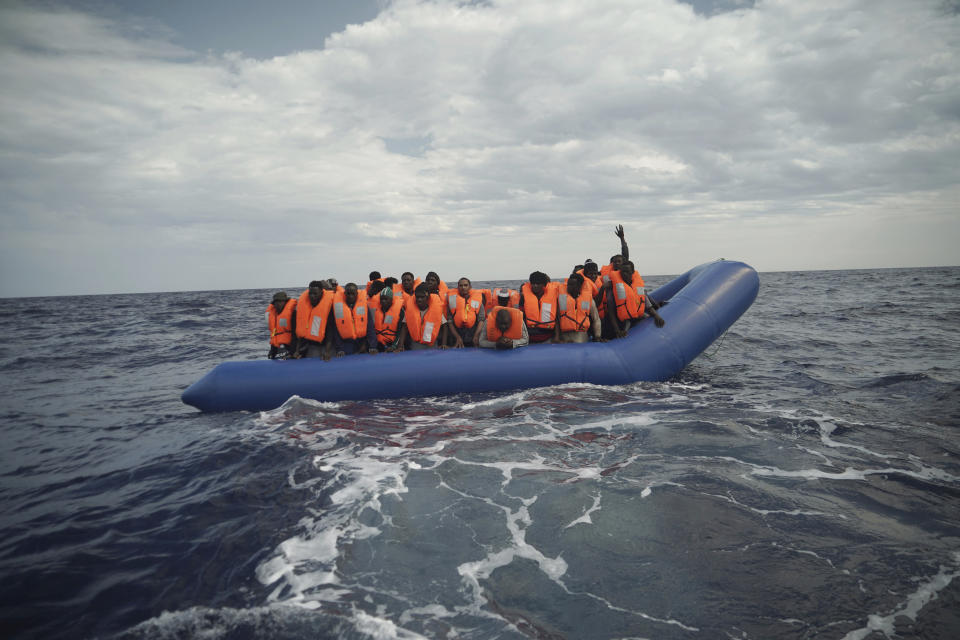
701, 305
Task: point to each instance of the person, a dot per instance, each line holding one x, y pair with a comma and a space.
282, 321
504, 297
466, 308
437, 286
371, 279
538, 299
626, 303
503, 328
576, 312
350, 319
313, 339
617, 260
385, 319
407, 285
424, 323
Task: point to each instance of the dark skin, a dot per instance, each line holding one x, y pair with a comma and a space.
626, 272
503, 322
433, 284
350, 294
385, 303
315, 294
406, 281
463, 290
422, 299
574, 287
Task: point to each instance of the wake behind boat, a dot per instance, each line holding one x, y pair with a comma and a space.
701, 305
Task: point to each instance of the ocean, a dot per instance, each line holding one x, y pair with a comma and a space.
800, 479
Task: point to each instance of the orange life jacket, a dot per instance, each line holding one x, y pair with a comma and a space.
515, 332
351, 323
398, 289
281, 326
574, 313
540, 313
386, 324
493, 298
595, 285
630, 298
370, 283
426, 329
464, 312
312, 320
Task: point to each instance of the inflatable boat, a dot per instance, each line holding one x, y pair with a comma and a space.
700, 306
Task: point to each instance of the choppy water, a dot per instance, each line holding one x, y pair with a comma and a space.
799, 480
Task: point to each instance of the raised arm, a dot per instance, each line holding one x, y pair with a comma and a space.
624, 249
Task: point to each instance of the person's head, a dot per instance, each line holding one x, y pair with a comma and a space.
538, 282
389, 282
406, 281
376, 287
616, 261
591, 270
279, 300
315, 294
463, 287
503, 320
576, 268
350, 293
575, 284
626, 271
421, 296
432, 280
503, 297
386, 299
374, 275
333, 283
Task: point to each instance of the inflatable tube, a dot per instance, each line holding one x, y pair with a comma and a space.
702, 304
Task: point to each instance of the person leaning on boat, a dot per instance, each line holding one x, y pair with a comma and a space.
282, 321
424, 323
313, 318
576, 312
627, 300
503, 328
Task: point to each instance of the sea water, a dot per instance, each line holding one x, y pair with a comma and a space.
800, 479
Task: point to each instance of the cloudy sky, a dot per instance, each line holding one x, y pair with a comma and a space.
161, 146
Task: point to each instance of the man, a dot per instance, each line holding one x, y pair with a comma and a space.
385, 321
503, 297
407, 285
626, 302
282, 321
423, 322
350, 319
538, 299
313, 339
437, 286
617, 260
371, 279
503, 328
465, 309
576, 312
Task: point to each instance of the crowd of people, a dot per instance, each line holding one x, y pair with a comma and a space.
390, 315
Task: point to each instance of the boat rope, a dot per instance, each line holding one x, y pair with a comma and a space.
719, 344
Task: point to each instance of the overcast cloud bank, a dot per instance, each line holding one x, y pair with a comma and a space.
484, 139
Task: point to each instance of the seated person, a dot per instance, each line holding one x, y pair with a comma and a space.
407, 285
503, 297
503, 328
372, 278
384, 321
437, 286
626, 301
313, 318
282, 321
465, 308
538, 300
576, 312
350, 319
424, 324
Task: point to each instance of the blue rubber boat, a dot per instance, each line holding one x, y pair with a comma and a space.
701, 305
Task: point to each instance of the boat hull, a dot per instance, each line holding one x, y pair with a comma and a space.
702, 304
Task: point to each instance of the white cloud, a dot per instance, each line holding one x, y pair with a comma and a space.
482, 139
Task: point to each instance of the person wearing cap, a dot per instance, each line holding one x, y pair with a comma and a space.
503, 328
282, 322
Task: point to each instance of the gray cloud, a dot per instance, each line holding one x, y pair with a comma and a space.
713, 127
